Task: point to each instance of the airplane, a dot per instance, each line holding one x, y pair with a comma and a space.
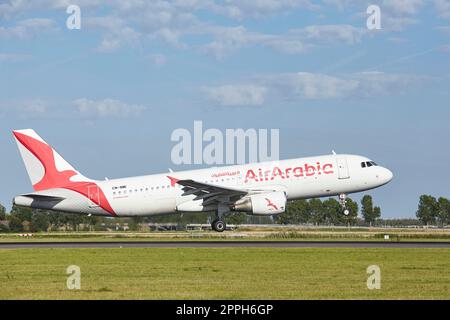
257, 189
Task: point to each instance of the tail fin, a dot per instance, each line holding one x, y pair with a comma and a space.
45, 167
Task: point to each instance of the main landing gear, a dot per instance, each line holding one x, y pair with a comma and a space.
343, 203
218, 224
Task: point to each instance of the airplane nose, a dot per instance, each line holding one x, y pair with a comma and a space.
387, 175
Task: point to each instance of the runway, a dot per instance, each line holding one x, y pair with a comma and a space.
224, 244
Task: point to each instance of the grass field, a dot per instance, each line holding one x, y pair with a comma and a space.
226, 273
278, 233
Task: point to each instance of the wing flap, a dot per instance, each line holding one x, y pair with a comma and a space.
209, 193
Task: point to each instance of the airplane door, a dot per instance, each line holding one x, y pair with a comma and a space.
342, 168
93, 196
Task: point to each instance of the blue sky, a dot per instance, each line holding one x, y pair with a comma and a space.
109, 95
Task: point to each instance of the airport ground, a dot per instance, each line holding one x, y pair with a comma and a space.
225, 273
229, 272
267, 233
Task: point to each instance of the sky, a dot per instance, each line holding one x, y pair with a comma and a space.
109, 95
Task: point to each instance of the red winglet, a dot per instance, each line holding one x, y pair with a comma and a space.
173, 181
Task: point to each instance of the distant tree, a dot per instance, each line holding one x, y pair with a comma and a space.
443, 215
367, 209
297, 212
369, 213
2, 213
20, 219
39, 221
93, 220
333, 211
74, 220
428, 209
376, 213
4, 228
22, 213
15, 224
318, 214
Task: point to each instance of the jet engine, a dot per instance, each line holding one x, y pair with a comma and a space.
270, 203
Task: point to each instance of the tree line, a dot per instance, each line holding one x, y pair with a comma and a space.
329, 212
433, 211
430, 211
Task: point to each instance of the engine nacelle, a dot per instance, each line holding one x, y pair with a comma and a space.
270, 203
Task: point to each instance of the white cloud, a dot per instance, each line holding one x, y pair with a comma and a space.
32, 107
115, 32
11, 8
107, 108
237, 95
28, 28
129, 23
396, 15
239, 9
400, 7
84, 108
311, 86
331, 33
26, 108
443, 8
229, 39
306, 85
392, 23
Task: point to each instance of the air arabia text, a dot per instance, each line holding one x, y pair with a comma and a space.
306, 170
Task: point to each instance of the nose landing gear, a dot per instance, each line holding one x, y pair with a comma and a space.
343, 203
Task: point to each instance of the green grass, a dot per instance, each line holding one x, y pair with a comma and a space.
225, 273
299, 234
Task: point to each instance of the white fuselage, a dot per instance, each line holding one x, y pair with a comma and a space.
300, 178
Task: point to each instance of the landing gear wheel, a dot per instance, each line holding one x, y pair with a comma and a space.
343, 203
218, 225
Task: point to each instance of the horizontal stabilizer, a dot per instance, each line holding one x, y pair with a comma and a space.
43, 197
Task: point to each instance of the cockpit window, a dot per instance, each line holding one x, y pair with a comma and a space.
367, 164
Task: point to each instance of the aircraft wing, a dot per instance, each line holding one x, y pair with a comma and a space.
209, 193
